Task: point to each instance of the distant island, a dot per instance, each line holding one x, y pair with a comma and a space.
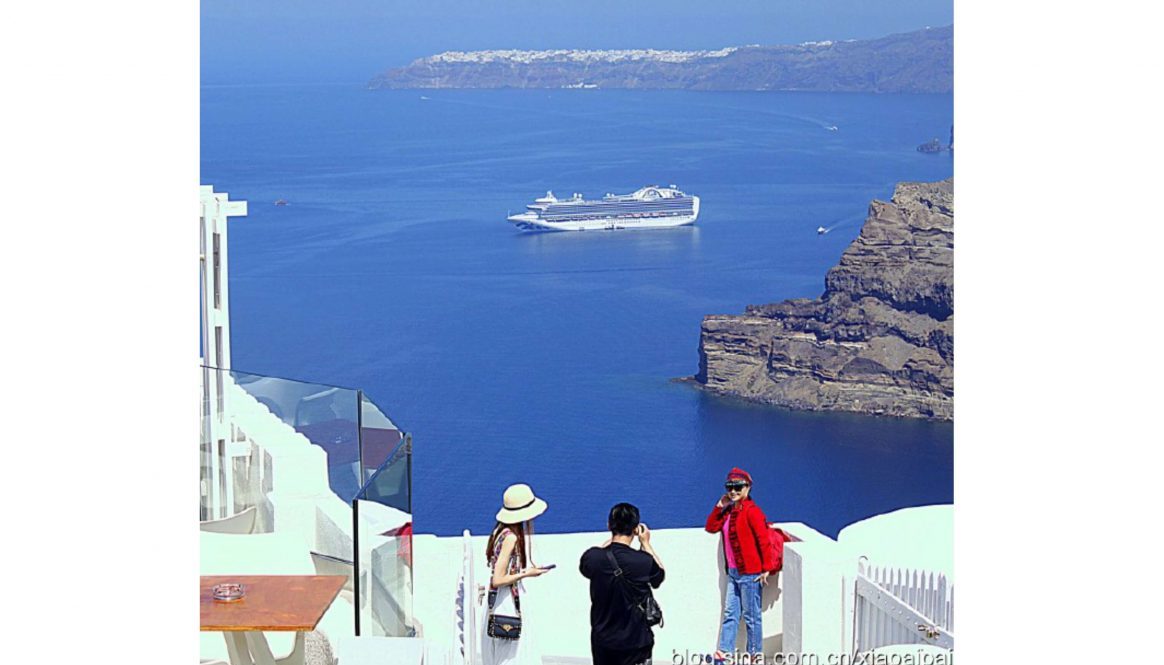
880, 340
913, 62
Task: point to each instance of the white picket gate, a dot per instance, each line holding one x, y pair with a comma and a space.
901, 606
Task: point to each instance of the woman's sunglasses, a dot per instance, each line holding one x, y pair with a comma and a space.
735, 487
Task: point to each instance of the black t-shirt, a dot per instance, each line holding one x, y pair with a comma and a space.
614, 623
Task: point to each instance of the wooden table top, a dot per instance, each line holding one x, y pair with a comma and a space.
272, 602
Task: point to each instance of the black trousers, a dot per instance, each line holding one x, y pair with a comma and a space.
621, 656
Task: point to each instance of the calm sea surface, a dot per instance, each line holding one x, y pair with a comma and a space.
548, 358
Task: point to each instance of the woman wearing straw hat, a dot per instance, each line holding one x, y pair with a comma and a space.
509, 553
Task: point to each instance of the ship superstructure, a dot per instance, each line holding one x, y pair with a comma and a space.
649, 207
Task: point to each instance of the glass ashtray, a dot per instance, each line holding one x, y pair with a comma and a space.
227, 592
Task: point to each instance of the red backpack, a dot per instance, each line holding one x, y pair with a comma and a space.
776, 539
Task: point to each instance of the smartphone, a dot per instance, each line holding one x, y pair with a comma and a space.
549, 566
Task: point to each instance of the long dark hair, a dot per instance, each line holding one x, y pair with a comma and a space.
523, 548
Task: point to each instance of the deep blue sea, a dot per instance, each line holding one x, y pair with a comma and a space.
549, 358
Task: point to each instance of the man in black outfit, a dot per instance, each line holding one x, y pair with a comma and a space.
619, 634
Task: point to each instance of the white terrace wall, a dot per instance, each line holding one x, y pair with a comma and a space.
816, 604
557, 604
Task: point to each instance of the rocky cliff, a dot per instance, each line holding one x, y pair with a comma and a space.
921, 61
880, 340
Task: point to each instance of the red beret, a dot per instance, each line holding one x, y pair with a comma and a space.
739, 474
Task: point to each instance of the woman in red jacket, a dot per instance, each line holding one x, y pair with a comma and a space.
747, 557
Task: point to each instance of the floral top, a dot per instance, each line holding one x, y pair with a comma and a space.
514, 563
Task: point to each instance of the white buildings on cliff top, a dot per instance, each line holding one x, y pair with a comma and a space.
576, 55
300, 478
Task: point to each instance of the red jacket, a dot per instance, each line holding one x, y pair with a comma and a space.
748, 538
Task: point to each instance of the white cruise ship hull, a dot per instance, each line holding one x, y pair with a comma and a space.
529, 221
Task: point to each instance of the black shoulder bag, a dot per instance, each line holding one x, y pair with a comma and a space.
647, 606
504, 627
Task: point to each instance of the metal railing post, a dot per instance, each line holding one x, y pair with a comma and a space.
356, 559
360, 434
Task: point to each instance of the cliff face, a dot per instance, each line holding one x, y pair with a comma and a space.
920, 61
880, 340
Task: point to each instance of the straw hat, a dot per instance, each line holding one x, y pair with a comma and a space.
520, 505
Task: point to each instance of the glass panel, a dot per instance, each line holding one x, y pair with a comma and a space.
328, 416
383, 516
379, 437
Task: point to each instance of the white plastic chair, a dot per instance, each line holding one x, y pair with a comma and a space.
239, 523
329, 565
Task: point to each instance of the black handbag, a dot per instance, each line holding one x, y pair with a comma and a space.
501, 626
647, 605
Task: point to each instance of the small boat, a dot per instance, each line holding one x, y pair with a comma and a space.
832, 128
934, 146
821, 230
281, 202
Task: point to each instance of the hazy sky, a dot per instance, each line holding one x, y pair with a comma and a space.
349, 41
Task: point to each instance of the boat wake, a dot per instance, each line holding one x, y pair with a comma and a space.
836, 224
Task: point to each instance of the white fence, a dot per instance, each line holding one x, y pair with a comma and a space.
901, 606
466, 650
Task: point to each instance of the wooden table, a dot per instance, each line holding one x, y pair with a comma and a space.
272, 603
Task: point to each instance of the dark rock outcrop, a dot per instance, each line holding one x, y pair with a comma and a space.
880, 340
915, 62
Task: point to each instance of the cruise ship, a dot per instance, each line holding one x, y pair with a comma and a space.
651, 207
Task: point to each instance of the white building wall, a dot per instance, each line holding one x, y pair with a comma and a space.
815, 607
219, 450
920, 538
216, 209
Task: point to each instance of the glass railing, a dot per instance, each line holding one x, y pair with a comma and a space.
354, 432
382, 516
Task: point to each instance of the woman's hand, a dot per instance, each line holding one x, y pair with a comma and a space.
724, 501
533, 572
764, 578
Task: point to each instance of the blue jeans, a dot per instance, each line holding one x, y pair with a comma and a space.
742, 590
